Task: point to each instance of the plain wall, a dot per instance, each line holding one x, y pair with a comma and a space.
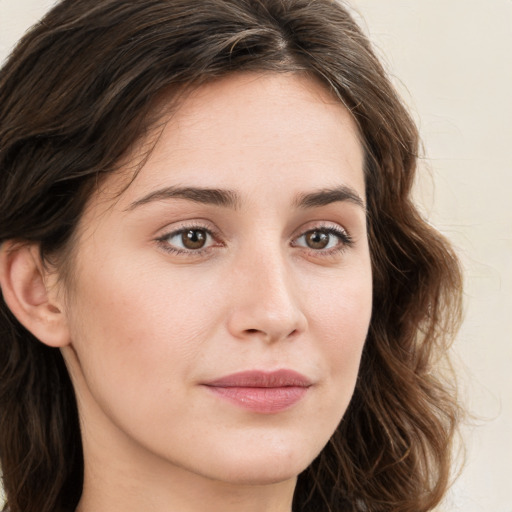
452, 62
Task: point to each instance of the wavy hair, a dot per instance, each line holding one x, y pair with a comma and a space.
80, 90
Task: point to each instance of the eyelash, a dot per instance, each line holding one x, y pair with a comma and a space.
163, 240
345, 240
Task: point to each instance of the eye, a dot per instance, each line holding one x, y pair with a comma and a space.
190, 239
324, 239
193, 238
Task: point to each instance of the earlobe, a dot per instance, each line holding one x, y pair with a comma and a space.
30, 295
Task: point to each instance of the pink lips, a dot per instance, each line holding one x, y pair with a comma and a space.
259, 391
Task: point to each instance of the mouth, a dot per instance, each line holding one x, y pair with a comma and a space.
260, 391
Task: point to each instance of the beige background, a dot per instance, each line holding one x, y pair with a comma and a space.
452, 61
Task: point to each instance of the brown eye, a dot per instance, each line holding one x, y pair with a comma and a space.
324, 240
317, 239
187, 241
194, 239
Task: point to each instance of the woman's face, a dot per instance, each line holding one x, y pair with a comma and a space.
220, 304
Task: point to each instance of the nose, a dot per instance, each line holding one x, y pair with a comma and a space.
265, 300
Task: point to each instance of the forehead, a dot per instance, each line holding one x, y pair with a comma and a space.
248, 131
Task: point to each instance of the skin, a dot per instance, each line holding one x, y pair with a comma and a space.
147, 327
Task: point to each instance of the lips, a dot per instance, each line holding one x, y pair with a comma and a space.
262, 392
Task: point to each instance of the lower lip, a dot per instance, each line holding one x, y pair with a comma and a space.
261, 400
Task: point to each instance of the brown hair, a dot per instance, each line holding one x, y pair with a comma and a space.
77, 93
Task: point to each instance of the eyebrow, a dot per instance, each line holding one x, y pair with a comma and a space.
329, 195
230, 199
217, 197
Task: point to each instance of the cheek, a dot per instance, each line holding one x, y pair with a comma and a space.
340, 319
137, 345
133, 330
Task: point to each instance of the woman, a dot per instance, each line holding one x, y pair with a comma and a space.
217, 293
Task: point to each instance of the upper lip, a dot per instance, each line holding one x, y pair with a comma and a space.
261, 379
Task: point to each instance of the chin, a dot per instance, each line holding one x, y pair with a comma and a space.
263, 468
262, 476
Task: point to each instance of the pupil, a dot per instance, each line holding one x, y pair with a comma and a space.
317, 239
193, 239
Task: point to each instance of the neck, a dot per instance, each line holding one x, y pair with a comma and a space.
116, 489
121, 476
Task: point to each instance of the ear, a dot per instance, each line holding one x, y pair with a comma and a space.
31, 293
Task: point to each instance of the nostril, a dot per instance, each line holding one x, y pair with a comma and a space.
260, 331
